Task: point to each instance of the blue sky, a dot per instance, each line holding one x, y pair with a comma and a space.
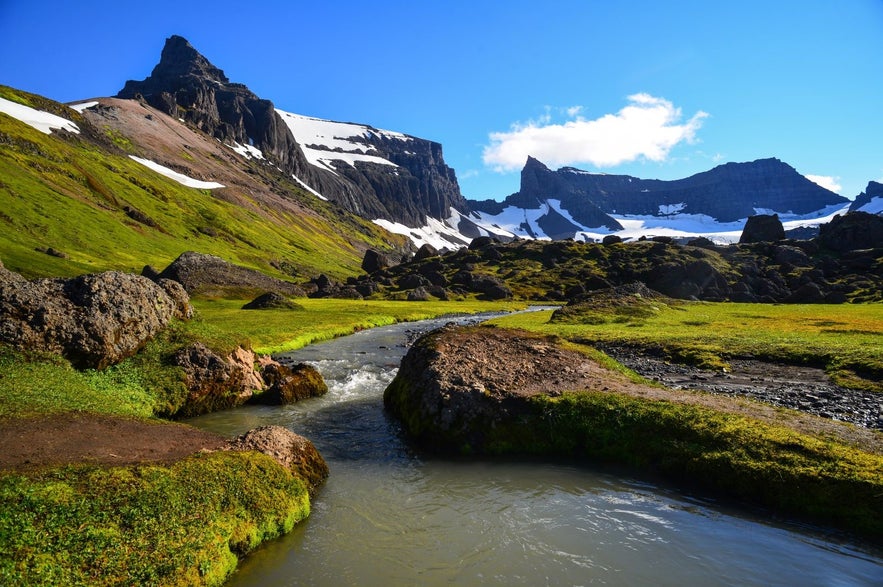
652, 89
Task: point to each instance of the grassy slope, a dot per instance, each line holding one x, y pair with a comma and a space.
847, 339
69, 194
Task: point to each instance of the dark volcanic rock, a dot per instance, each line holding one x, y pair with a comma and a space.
204, 273
375, 261
852, 231
286, 385
457, 387
292, 451
425, 252
93, 320
272, 301
762, 228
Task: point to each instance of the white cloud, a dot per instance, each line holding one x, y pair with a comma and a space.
648, 127
826, 181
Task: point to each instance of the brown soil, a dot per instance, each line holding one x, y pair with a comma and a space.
77, 437
504, 362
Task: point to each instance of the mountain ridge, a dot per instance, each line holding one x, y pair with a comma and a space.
418, 185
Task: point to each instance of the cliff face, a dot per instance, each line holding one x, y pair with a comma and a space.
406, 182
866, 200
398, 177
726, 193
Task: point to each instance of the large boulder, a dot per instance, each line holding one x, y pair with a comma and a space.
272, 301
762, 228
458, 388
375, 261
852, 231
93, 320
292, 451
200, 273
286, 385
215, 382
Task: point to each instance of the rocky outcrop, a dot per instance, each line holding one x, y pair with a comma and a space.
93, 320
864, 199
292, 451
200, 273
272, 301
215, 382
762, 228
852, 231
286, 385
453, 393
415, 184
375, 261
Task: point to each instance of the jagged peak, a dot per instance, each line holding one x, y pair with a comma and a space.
180, 59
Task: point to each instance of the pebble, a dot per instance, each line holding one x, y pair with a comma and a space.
799, 388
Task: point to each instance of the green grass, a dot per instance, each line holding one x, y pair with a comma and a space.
274, 331
69, 194
183, 524
846, 339
732, 455
146, 385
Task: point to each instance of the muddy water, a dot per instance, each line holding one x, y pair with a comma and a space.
388, 516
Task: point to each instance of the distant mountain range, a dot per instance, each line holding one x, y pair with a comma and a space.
402, 183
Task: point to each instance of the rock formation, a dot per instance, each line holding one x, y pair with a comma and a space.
416, 184
453, 393
286, 385
215, 382
272, 301
202, 273
852, 231
93, 320
292, 451
762, 228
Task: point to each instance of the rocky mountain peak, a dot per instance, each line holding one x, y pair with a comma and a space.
180, 59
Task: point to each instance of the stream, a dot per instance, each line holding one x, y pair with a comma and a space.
390, 516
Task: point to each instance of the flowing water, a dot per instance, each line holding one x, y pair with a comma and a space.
388, 516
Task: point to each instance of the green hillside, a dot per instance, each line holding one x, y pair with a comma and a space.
82, 199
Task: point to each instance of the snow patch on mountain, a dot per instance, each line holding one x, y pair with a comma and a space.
875, 206
247, 151
325, 141
524, 223
44, 122
84, 105
179, 177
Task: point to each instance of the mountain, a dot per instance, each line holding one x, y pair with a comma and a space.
373, 173
570, 202
870, 200
117, 184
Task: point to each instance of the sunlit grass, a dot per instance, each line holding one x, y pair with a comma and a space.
273, 331
846, 339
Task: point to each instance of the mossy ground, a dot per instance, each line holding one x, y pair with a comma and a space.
183, 524
845, 339
729, 454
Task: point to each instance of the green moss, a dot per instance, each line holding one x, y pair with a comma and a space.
147, 525
709, 334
